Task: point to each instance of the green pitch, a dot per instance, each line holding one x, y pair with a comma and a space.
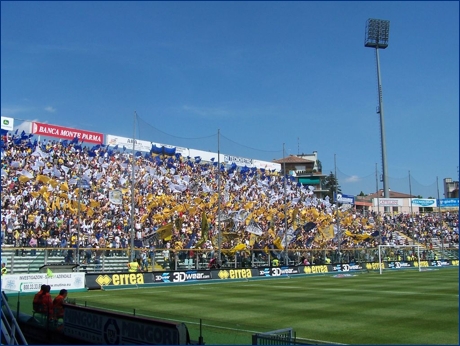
398, 307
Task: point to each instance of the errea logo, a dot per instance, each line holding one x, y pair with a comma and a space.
223, 274
103, 280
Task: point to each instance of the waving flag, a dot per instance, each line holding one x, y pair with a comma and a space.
277, 243
328, 232
191, 241
254, 228
165, 232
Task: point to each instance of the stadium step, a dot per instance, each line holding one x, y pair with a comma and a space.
25, 263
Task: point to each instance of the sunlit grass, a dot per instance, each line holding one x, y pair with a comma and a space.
398, 307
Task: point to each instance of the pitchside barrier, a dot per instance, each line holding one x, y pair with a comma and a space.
119, 280
89, 325
102, 327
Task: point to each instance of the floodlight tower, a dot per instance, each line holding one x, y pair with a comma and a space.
377, 32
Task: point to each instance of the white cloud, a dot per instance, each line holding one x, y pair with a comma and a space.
353, 179
50, 109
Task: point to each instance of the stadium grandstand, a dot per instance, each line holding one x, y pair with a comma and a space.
86, 196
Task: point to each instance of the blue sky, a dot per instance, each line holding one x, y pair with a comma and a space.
274, 78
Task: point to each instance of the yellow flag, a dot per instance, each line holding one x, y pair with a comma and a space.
57, 203
192, 210
46, 196
277, 243
239, 247
347, 221
64, 186
204, 225
152, 205
165, 231
248, 219
328, 232
24, 179
314, 212
158, 217
252, 239
295, 212
43, 178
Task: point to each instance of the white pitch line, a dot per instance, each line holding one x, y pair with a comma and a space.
388, 292
239, 330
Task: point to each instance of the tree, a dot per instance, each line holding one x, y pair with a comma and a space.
362, 194
319, 165
330, 183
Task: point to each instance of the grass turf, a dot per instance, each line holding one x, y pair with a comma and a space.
398, 307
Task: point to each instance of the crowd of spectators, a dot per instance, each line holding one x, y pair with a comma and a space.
176, 204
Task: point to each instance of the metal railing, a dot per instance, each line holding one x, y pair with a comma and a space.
116, 260
11, 332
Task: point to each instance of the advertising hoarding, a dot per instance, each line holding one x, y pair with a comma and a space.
7, 123
33, 282
139, 145
67, 133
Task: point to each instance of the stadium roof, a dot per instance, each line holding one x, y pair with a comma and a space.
293, 159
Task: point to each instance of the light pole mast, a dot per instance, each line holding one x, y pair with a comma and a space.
339, 231
219, 234
133, 177
377, 33
286, 261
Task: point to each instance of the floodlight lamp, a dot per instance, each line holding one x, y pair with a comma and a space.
377, 33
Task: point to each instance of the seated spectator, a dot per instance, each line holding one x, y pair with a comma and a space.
45, 302
58, 304
36, 302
